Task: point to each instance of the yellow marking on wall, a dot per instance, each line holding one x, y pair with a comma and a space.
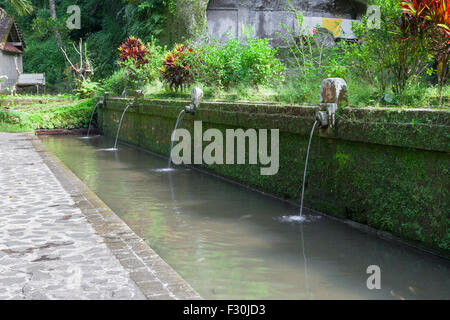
333, 25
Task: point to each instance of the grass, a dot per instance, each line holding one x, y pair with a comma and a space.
293, 92
13, 128
417, 95
38, 107
70, 115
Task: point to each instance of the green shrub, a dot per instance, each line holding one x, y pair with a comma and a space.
140, 62
116, 83
314, 54
250, 61
88, 89
387, 57
179, 67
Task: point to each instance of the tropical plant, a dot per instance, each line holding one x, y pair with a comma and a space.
134, 50
140, 61
431, 19
22, 7
179, 67
87, 89
249, 61
387, 56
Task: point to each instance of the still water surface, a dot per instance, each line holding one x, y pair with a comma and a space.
229, 242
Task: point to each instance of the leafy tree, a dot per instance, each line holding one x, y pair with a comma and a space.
22, 7
104, 26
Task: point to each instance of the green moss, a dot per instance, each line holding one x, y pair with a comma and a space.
341, 159
376, 170
187, 18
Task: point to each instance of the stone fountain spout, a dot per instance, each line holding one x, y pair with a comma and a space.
333, 94
105, 97
197, 98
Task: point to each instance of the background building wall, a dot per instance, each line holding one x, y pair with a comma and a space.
230, 17
8, 68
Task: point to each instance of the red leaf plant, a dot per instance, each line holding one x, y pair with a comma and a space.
179, 67
134, 49
431, 18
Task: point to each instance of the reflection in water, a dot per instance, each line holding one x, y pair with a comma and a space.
231, 243
305, 261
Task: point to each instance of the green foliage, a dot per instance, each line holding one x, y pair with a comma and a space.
379, 66
295, 91
116, 83
22, 7
105, 25
142, 68
179, 67
45, 27
386, 56
88, 89
314, 53
38, 60
249, 61
58, 117
145, 19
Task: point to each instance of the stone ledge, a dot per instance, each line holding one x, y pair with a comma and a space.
426, 129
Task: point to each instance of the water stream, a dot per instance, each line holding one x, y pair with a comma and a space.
92, 118
230, 242
306, 169
180, 118
120, 125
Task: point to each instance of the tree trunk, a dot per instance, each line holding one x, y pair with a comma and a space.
52, 8
53, 14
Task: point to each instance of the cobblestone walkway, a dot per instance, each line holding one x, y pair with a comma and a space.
48, 250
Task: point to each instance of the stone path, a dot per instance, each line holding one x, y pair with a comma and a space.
50, 248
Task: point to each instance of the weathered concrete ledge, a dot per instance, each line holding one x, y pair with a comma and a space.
386, 168
153, 276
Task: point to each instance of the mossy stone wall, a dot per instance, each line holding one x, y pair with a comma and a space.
386, 168
185, 19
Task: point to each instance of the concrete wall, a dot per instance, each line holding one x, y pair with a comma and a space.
266, 17
220, 16
8, 68
386, 168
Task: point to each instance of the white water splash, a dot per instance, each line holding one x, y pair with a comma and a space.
108, 149
298, 219
164, 170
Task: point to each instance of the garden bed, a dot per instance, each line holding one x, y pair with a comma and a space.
67, 114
